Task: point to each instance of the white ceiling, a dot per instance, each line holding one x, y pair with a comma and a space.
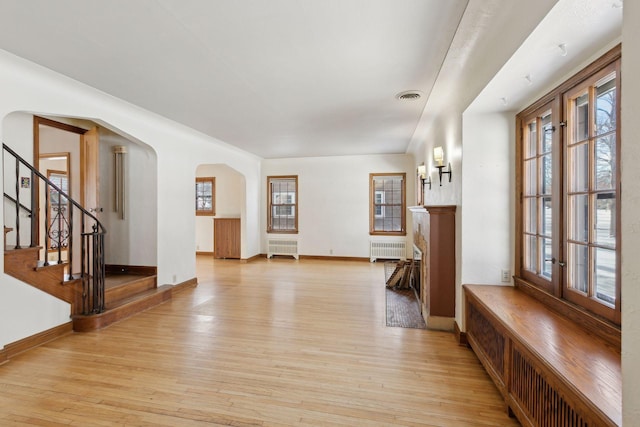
541, 63
278, 78
298, 78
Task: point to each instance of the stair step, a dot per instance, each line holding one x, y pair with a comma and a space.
122, 309
121, 286
21, 258
40, 265
23, 264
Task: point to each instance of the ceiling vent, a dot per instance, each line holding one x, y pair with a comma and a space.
409, 95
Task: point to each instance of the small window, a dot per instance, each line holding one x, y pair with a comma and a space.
206, 196
388, 204
58, 206
282, 212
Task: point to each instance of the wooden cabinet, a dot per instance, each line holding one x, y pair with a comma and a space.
434, 235
226, 238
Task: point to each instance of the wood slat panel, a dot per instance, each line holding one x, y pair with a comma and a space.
558, 374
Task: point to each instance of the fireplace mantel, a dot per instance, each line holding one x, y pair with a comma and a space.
434, 236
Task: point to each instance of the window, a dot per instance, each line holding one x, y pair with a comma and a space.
568, 155
282, 210
537, 197
387, 204
58, 207
592, 192
205, 196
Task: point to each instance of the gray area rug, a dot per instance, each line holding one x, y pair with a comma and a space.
403, 309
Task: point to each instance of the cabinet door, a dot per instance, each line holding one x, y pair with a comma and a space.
226, 237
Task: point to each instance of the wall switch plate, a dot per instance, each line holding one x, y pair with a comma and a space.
505, 275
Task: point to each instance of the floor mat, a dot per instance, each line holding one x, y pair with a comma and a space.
403, 309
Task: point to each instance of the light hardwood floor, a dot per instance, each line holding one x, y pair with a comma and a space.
268, 343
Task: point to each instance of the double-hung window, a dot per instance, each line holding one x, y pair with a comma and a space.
206, 196
568, 213
282, 209
387, 195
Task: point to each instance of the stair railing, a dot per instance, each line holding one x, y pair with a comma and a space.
59, 232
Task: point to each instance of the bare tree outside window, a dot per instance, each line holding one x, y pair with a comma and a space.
388, 204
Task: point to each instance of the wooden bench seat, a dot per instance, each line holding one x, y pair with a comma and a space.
550, 371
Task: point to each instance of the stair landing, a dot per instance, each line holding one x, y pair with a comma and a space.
125, 296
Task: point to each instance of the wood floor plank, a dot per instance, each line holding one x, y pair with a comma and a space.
268, 343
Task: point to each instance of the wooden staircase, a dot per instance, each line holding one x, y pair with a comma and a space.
99, 295
125, 295
24, 264
126, 292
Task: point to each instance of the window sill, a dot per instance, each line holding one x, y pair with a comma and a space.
603, 328
387, 233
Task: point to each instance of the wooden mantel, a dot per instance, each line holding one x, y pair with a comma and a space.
434, 236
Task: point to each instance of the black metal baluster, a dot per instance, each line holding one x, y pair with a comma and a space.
83, 273
17, 204
100, 273
70, 244
97, 300
47, 224
33, 215
60, 227
92, 271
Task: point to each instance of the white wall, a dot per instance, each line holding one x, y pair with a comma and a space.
490, 34
132, 240
630, 214
333, 200
18, 301
229, 195
17, 127
30, 88
488, 180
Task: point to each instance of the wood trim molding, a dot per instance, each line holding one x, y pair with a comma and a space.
20, 346
187, 284
316, 257
253, 258
596, 325
335, 258
372, 192
58, 125
205, 253
143, 270
461, 337
269, 201
212, 211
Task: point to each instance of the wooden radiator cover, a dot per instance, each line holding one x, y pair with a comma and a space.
532, 390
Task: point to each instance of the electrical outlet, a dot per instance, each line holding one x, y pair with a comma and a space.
175, 278
506, 275
330, 251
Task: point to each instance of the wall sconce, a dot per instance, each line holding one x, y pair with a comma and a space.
422, 172
438, 158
